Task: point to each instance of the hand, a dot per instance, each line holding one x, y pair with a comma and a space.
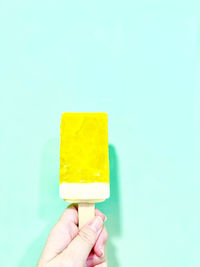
68, 246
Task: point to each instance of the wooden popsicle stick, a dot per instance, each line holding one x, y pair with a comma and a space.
86, 212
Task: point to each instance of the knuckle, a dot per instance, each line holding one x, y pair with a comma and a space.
87, 236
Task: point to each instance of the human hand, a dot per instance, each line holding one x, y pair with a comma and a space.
67, 246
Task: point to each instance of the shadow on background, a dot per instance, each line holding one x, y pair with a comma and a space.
50, 207
111, 207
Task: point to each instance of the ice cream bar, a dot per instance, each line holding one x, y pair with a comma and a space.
84, 159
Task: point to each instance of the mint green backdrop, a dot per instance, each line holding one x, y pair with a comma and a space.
139, 62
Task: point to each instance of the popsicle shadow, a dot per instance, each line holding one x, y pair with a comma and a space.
111, 207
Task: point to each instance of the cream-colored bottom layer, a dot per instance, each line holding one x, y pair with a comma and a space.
85, 192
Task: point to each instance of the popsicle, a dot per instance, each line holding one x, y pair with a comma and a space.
84, 161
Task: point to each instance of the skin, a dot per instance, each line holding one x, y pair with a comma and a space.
68, 246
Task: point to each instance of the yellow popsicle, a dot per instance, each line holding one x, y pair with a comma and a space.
84, 160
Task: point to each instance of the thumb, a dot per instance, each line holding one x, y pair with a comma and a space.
79, 249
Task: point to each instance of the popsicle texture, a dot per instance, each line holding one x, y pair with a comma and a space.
84, 148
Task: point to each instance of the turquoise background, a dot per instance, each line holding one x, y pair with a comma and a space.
138, 61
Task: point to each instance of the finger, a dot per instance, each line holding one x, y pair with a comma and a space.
94, 260
99, 247
61, 234
74, 205
70, 215
99, 213
80, 247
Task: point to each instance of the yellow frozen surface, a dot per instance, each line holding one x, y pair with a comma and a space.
84, 148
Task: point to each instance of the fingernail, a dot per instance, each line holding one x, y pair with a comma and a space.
96, 223
105, 218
